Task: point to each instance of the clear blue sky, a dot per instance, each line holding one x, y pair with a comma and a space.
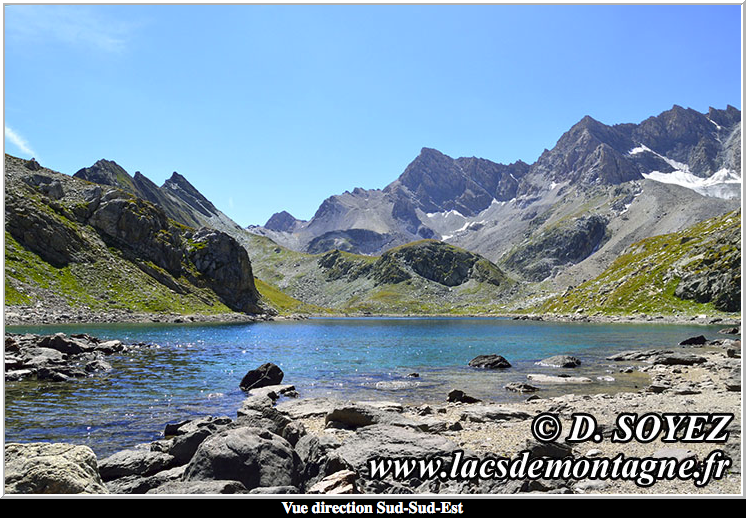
269, 108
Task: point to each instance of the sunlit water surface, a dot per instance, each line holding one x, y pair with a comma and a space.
195, 369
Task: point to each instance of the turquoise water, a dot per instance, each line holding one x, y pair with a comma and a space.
195, 369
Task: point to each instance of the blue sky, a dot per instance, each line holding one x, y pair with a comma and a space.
269, 108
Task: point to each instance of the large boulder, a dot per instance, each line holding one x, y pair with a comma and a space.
263, 376
134, 462
51, 469
252, 456
63, 344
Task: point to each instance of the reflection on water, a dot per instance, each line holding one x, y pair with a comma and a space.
195, 369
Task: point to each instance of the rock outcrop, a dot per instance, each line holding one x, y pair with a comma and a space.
44, 468
107, 232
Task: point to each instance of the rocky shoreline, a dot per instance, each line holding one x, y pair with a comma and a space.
29, 316
280, 443
729, 320
32, 315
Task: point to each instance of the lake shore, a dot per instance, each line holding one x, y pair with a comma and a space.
26, 315
337, 438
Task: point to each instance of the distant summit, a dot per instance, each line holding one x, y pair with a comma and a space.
281, 222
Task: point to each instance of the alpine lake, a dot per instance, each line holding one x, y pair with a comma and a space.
184, 371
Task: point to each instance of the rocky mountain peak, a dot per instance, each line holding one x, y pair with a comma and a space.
724, 118
180, 187
106, 172
281, 222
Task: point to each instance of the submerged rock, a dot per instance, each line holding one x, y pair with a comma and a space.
542, 378
562, 360
489, 361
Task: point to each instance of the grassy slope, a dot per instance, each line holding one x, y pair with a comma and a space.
106, 284
641, 280
104, 281
300, 276
283, 303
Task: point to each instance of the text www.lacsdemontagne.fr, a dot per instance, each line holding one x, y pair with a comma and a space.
644, 471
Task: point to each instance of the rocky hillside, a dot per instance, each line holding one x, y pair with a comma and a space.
600, 188
427, 277
178, 198
73, 244
693, 271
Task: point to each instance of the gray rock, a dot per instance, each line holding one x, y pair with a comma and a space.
199, 487
137, 485
388, 442
317, 453
590, 486
517, 386
97, 365
267, 418
275, 490
44, 468
554, 450
482, 414
111, 347
489, 361
678, 359
254, 457
637, 355
65, 345
293, 432
307, 408
339, 483
211, 423
134, 462
694, 340
358, 415
458, 396
184, 446
17, 375
45, 374
562, 361
542, 378
274, 392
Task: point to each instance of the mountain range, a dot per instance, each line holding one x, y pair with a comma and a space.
448, 235
599, 189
